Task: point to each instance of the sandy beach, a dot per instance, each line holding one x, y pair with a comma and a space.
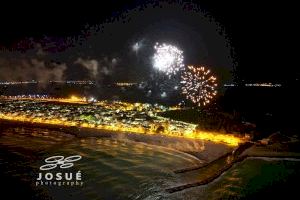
205, 151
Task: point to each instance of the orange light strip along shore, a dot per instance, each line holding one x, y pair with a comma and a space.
228, 139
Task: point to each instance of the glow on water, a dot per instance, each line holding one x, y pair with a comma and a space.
111, 168
192, 134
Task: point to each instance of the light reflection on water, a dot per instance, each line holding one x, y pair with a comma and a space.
123, 169
112, 169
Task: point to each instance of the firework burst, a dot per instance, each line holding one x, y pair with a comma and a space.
167, 59
198, 85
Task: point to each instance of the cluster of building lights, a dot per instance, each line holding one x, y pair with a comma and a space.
116, 116
255, 85
88, 82
38, 97
18, 82
262, 85
125, 84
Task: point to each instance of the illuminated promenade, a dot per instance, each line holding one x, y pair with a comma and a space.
139, 118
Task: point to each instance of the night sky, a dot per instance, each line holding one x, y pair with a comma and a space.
49, 40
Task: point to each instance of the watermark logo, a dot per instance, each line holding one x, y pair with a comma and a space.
64, 176
64, 163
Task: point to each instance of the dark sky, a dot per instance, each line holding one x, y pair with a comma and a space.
260, 35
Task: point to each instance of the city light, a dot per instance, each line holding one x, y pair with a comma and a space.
117, 116
125, 84
51, 81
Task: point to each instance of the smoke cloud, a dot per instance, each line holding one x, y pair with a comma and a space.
98, 68
30, 69
91, 65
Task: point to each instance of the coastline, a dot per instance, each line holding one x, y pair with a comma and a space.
204, 151
208, 153
276, 150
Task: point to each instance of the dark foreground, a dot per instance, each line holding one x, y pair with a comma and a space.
121, 168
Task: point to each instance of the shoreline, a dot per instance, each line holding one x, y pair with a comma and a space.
236, 155
204, 151
226, 168
249, 151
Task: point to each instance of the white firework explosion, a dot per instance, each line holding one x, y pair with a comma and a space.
167, 59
